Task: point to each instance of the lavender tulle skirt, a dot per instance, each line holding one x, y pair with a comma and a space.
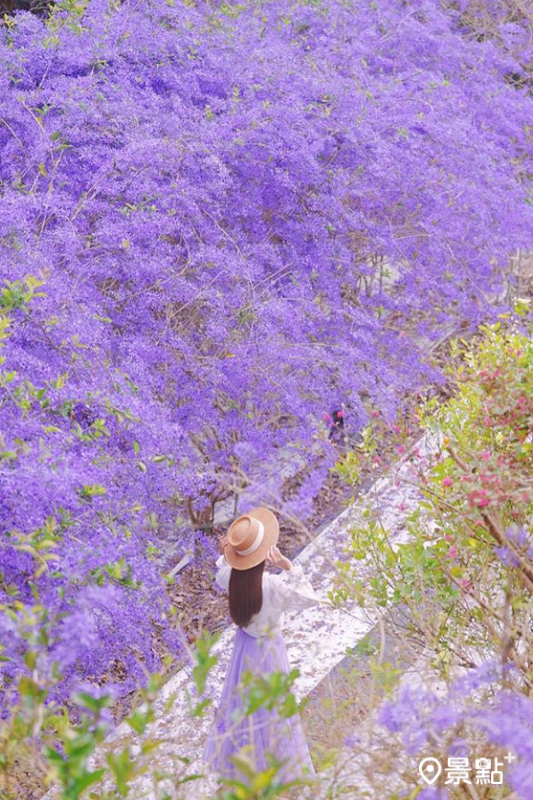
264, 731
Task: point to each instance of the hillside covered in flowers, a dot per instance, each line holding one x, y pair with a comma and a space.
218, 222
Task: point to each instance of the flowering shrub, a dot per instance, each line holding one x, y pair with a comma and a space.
73, 563
214, 224
464, 579
475, 716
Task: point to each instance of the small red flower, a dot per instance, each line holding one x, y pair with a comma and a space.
478, 497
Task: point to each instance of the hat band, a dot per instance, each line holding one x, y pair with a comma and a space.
258, 539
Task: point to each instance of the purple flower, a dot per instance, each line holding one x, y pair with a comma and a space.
485, 673
518, 535
508, 722
209, 216
520, 778
406, 716
433, 793
506, 556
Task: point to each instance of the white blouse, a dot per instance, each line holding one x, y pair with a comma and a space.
290, 591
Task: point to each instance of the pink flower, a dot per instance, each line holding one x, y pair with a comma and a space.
447, 481
453, 552
375, 413
478, 497
400, 449
485, 455
448, 537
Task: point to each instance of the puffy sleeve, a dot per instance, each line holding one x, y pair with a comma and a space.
223, 572
293, 590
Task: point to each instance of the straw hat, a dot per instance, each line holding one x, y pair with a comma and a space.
249, 538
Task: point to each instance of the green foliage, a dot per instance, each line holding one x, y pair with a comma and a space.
463, 575
260, 785
204, 660
74, 753
270, 691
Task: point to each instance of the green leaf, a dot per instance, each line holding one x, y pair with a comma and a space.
86, 780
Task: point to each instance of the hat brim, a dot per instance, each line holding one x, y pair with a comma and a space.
271, 535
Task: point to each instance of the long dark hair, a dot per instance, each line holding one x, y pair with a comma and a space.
245, 593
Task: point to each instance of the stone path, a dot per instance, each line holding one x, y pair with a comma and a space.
317, 641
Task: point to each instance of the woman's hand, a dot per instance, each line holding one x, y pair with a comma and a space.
222, 542
274, 557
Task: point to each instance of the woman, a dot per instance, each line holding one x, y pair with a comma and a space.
257, 601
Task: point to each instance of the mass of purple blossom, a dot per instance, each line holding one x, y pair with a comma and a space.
213, 222
474, 703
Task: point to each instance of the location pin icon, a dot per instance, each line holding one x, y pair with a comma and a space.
430, 769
